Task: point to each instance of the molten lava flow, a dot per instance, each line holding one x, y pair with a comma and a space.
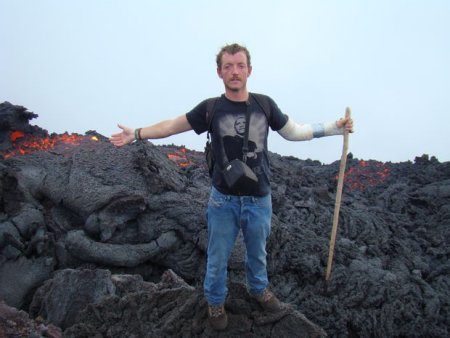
365, 174
23, 144
180, 158
16, 134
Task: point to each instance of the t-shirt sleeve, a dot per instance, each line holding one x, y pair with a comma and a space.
277, 118
197, 118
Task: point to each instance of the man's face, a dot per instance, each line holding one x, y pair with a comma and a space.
234, 71
239, 126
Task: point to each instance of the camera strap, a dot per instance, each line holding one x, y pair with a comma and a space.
247, 128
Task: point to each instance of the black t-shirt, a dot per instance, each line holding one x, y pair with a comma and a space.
227, 135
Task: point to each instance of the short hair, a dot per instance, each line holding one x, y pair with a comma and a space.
232, 49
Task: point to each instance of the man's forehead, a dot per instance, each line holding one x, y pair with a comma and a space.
237, 57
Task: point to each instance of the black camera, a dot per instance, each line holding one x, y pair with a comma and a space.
238, 174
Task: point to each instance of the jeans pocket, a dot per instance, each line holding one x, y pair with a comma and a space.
263, 202
216, 199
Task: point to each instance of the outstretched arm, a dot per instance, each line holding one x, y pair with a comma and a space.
293, 131
162, 129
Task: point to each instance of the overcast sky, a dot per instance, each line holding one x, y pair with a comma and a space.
88, 65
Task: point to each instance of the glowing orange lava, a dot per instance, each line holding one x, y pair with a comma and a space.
16, 134
180, 158
23, 144
365, 174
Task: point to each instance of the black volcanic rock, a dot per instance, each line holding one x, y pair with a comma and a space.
87, 303
105, 241
16, 118
15, 323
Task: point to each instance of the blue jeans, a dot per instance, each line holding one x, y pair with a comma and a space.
227, 214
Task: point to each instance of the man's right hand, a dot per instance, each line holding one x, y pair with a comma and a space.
122, 138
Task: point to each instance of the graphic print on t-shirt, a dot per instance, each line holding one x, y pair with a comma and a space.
232, 132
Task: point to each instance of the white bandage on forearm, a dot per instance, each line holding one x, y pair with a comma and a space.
293, 131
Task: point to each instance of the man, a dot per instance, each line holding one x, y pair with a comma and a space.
233, 209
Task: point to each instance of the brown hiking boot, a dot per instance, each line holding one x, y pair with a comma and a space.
269, 301
217, 317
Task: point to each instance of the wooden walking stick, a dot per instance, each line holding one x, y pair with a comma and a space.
337, 204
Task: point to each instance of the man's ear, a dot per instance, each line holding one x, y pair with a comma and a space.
219, 72
249, 70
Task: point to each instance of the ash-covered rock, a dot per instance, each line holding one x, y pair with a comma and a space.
105, 241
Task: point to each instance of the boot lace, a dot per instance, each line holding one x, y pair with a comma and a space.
266, 296
216, 311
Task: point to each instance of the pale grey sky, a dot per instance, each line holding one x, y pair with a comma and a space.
88, 65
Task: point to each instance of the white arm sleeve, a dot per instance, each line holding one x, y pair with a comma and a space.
293, 131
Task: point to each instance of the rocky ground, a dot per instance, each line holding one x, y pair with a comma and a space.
98, 241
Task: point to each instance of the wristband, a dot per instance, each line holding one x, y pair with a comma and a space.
137, 134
